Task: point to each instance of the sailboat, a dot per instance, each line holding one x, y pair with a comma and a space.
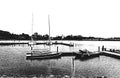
43, 53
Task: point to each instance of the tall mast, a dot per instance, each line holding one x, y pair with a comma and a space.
32, 28
31, 42
49, 29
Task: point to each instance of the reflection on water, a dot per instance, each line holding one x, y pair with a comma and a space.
13, 62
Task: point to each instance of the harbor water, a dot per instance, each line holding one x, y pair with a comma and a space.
13, 62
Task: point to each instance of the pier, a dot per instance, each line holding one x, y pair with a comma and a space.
65, 54
57, 43
37, 43
17, 43
68, 53
111, 54
83, 54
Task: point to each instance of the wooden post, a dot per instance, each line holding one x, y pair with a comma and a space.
57, 49
98, 48
103, 48
31, 50
72, 69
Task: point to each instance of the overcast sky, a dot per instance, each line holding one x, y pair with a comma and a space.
99, 18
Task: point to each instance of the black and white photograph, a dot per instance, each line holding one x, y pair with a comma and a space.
59, 38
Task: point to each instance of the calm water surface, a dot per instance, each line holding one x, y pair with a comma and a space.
13, 62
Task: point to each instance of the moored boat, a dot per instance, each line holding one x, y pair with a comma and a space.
85, 54
43, 55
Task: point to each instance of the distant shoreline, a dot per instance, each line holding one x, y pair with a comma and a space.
5, 35
58, 40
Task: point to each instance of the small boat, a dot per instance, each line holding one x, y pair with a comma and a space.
43, 54
85, 54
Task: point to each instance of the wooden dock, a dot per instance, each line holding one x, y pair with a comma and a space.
90, 55
111, 54
68, 53
58, 43
37, 43
13, 43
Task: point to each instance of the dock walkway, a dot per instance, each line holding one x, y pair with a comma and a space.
37, 43
112, 54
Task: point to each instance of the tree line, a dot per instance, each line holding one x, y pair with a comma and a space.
5, 35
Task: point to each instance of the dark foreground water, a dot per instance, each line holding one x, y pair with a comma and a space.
13, 62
